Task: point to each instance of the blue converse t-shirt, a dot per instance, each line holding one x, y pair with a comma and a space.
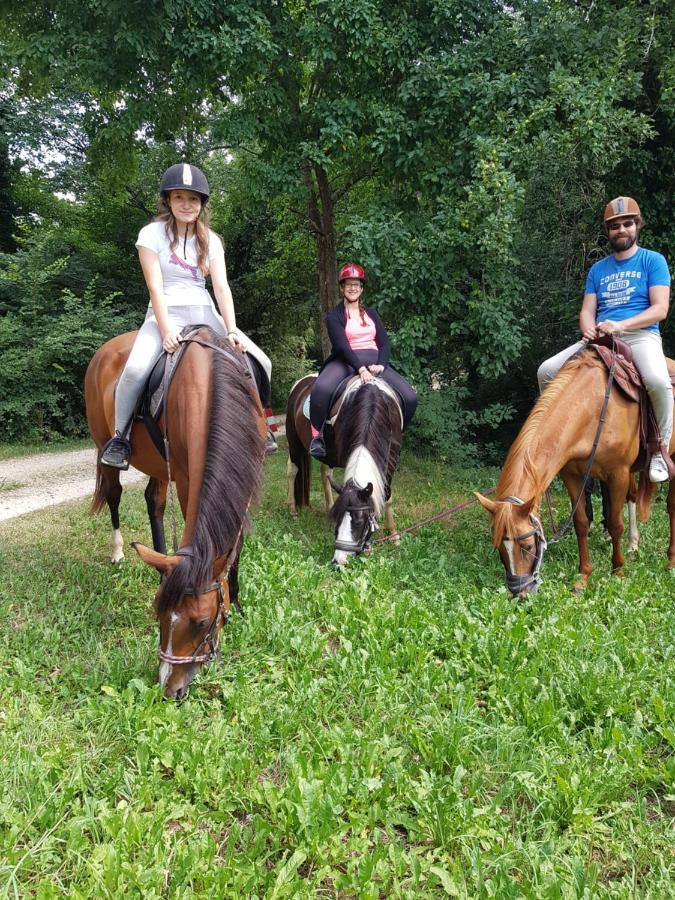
622, 285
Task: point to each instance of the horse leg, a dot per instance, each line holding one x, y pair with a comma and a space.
633, 533
155, 501
671, 517
581, 526
110, 482
291, 474
618, 485
389, 523
326, 475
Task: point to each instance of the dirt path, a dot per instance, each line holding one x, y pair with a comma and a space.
33, 482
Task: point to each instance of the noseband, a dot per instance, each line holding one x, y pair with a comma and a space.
519, 583
210, 639
368, 530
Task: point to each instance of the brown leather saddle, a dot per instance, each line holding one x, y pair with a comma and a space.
627, 379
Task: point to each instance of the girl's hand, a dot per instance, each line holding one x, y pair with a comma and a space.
376, 369
171, 340
366, 376
235, 340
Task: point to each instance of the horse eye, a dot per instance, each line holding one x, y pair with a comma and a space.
528, 548
200, 624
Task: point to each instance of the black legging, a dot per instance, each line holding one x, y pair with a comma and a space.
337, 370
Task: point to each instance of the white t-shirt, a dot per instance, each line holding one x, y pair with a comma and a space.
184, 284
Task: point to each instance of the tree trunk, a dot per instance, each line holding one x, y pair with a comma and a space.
320, 211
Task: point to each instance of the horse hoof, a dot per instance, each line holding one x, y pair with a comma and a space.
116, 560
580, 585
618, 572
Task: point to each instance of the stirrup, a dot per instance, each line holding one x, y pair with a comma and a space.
271, 445
317, 447
116, 453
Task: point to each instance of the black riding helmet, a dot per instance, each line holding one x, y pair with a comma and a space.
183, 176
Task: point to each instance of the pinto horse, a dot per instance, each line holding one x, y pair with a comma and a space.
366, 443
216, 431
557, 438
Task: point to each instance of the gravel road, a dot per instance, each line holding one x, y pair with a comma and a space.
33, 482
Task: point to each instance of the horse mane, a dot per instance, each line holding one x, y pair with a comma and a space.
519, 460
367, 425
231, 481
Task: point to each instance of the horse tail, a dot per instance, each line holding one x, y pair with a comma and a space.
298, 457
645, 497
100, 498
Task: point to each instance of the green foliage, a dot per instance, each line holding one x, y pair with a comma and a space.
402, 729
48, 333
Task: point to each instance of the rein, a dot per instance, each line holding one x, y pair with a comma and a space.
564, 528
188, 339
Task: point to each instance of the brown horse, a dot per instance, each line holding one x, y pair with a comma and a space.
366, 442
216, 431
557, 437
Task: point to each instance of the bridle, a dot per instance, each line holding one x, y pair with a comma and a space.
519, 583
212, 635
368, 529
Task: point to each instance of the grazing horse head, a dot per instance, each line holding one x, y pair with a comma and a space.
518, 535
190, 625
353, 514
216, 431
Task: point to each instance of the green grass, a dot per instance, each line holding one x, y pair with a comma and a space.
10, 451
402, 729
6, 485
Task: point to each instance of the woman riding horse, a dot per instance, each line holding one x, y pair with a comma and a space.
359, 344
176, 252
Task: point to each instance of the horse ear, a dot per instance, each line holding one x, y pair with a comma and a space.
365, 492
336, 487
159, 561
490, 505
527, 506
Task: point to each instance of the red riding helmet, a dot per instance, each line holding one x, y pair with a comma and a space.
352, 270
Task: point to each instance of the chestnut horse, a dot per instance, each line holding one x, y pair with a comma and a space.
216, 431
366, 442
557, 438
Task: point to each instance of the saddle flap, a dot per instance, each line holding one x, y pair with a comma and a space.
626, 376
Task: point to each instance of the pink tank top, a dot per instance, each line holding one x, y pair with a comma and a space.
360, 338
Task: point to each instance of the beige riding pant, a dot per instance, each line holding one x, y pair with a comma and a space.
650, 363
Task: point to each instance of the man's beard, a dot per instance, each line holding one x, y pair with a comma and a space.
622, 242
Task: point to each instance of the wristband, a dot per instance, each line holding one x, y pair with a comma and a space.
232, 331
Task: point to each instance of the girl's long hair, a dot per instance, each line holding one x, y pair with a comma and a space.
165, 215
362, 311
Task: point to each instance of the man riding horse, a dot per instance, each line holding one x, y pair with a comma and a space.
627, 295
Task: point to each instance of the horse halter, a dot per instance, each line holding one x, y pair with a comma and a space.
368, 529
519, 583
211, 641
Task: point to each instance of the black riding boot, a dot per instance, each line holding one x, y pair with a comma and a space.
317, 447
116, 453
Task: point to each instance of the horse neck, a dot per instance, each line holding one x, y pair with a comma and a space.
546, 442
363, 469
